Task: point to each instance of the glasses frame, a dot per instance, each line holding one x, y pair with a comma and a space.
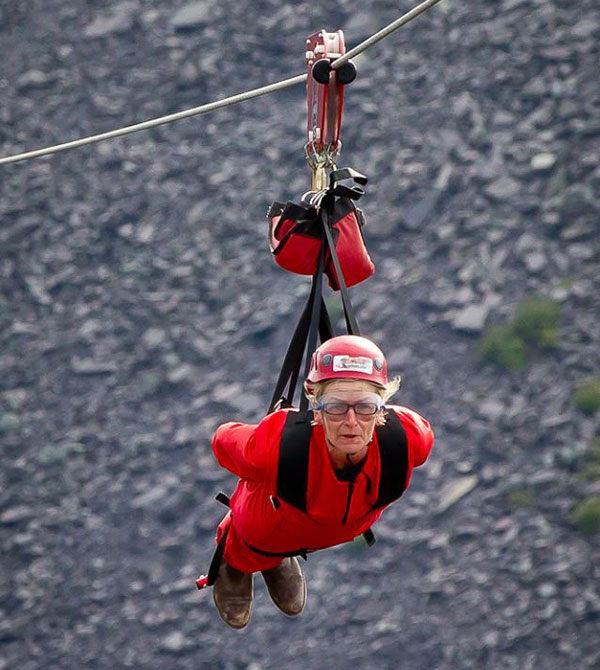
322, 407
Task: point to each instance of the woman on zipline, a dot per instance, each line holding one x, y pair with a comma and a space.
304, 491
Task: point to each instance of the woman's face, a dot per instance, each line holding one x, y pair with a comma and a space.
350, 433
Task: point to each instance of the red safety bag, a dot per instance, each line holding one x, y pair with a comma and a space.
296, 235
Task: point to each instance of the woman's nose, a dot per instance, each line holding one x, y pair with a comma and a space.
350, 416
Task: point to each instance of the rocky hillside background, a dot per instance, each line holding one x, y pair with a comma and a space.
139, 308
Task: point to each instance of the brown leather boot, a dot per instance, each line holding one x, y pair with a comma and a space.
232, 594
286, 586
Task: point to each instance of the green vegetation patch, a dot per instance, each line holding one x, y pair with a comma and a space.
587, 397
503, 348
534, 328
536, 322
590, 464
587, 516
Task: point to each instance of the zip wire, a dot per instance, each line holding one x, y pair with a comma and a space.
384, 32
225, 102
152, 123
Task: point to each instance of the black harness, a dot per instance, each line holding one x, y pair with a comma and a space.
292, 471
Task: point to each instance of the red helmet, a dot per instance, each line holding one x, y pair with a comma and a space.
348, 357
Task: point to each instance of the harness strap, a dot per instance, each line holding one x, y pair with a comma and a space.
311, 343
280, 554
329, 209
311, 320
223, 498
342, 174
325, 333
393, 453
217, 559
292, 469
290, 369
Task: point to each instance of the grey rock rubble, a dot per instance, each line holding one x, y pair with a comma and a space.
139, 309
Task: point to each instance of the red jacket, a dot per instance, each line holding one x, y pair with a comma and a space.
251, 452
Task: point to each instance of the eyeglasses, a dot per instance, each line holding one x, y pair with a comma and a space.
337, 408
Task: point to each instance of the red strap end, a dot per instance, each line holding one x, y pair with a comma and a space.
202, 582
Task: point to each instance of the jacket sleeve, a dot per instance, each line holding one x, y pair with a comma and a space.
419, 435
249, 451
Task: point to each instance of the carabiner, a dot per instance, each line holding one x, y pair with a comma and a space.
325, 101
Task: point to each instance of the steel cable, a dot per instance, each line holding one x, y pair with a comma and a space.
226, 102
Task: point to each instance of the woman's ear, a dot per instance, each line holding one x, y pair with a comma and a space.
317, 417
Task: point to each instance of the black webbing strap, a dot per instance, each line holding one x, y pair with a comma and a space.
217, 559
393, 453
279, 554
293, 358
311, 320
351, 322
223, 498
311, 343
292, 469
369, 536
325, 333
342, 174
